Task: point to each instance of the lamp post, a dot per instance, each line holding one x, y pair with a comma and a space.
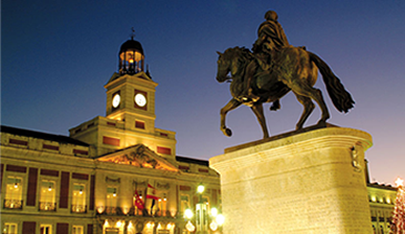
201, 209
205, 221
188, 214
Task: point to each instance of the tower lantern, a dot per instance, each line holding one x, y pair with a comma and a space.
131, 57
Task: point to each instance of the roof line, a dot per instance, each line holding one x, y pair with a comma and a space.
192, 160
41, 135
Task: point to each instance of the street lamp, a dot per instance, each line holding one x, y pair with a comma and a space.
220, 219
216, 219
214, 212
201, 210
200, 188
188, 213
204, 220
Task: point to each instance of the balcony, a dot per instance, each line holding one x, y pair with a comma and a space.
81, 209
162, 213
13, 204
47, 206
133, 211
109, 210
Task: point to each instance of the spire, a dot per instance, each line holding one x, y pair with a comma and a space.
132, 33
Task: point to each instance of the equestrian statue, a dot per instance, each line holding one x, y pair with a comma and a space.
273, 69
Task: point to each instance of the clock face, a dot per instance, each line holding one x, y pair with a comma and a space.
116, 100
140, 99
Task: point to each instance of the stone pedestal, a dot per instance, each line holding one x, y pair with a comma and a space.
308, 182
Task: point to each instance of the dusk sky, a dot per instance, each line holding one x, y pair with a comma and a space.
58, 55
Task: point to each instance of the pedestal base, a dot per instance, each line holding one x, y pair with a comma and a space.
311, 182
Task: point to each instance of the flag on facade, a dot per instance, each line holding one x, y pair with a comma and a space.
151, 193
138, 201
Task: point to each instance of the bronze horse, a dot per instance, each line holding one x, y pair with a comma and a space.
292, 69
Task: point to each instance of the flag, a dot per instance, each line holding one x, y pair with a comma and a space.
138, 201
151, 193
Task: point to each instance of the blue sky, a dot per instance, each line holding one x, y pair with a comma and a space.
57, 56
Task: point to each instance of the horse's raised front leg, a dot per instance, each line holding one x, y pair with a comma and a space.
258, 110
231, 105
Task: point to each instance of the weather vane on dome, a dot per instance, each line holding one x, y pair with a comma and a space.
132, 33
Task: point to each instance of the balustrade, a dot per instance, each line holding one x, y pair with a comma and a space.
79, 209
133, 211
12, 204
47, 206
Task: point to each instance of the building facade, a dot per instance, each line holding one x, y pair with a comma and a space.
382, 199
114, 174
119, 174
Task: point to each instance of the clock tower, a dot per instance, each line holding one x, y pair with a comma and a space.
130, 110
131, 91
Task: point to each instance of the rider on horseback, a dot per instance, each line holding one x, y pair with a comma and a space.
271, 37
274, 69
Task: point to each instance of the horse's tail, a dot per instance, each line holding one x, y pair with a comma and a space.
340, 97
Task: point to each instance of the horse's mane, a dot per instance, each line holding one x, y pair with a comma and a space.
241, 57
242, 53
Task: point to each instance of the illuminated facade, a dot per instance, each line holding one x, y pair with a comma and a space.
119, 174
382, 202
53, 184
115, 174
382, 198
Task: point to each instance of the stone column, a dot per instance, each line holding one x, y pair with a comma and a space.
310, 182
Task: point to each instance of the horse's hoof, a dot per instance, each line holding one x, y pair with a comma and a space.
228, 132
321, 123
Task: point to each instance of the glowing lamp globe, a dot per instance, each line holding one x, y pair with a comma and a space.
190, 227
188, 213
200, 188
220, 219
214, 212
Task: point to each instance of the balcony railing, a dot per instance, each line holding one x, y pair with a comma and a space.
47, 206
133, 211
109, 210
79, 209
13, 204
162, 213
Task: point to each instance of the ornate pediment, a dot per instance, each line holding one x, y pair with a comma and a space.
140, 156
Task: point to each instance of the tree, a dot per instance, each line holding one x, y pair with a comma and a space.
398, 220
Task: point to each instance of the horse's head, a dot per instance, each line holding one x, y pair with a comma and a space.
233, 61
224, 67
